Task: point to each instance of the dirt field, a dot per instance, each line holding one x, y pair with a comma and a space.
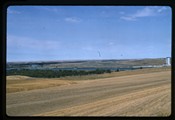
143, 94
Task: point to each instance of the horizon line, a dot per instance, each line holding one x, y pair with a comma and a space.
66, 60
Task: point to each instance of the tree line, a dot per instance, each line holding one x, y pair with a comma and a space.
54, 73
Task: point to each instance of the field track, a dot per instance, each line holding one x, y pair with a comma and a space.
146, 94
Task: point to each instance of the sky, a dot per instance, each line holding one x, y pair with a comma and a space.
49, 33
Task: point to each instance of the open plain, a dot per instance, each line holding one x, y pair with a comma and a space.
127, 93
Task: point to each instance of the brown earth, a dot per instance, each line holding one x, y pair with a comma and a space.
23, 83
17, 83
144, 94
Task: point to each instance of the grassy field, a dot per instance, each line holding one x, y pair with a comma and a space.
23, 83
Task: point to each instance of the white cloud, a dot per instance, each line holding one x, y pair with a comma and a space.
121, 13
16, 42
88, 48
105, 14
128, 18
111, 43
55, 10
29, 49
145, 12
49, 9
10, 11
72, 19
161, 9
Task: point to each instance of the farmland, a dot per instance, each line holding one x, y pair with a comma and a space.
86, 64
145, 92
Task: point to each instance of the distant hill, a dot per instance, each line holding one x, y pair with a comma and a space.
125, 63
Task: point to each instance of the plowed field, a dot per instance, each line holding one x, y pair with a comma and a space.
145, 94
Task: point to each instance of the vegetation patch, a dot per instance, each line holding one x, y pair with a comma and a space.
54, 74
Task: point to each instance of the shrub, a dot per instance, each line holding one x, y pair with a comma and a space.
54, 74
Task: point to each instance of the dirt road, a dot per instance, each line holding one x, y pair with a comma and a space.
133, 95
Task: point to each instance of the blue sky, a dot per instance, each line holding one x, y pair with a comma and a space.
44, 33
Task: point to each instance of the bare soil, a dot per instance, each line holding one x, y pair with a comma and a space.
144, 94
